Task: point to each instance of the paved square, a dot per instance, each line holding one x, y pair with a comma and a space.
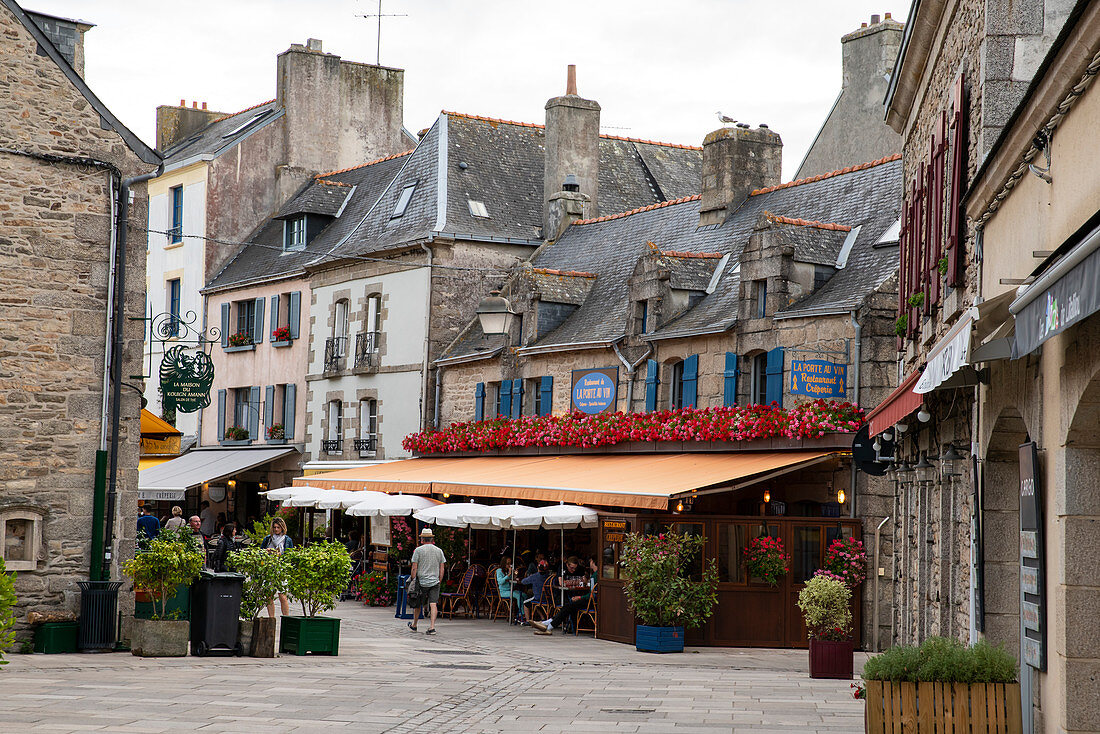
474, 676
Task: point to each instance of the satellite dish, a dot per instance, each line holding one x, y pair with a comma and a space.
864, 455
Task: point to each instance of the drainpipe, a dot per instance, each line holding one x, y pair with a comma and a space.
874, 596
119, 307
857, 357
438, 394
427, 345
99, 495
630, 369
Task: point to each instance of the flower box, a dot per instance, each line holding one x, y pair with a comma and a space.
239, 442
242, 348
831, 659
659, 639
931, 707
56, 637
300, 635
282, 343
157, 638
276, 441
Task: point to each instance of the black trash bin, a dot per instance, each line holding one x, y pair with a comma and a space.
98, 615
215, 609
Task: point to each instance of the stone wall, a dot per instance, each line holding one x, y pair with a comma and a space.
54, 252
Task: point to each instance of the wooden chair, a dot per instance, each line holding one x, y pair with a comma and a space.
589, 613
488, 590
450, 600
501, 605
547, 606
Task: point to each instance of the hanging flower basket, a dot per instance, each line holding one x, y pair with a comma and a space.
765, 560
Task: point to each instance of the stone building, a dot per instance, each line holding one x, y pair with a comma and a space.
63, 157
226, 174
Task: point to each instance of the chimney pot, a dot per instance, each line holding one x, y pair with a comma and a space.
314, 44
194, 104
571, 183
204, 105
875, 19
764, 125
889, 16
571, 79
183, 103
862, 25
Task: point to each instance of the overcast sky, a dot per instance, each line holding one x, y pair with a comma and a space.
659, 69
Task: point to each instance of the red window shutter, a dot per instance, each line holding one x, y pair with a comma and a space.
903, 251
956, 232
939, 145
917, 251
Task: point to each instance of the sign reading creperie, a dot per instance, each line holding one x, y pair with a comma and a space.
614, 531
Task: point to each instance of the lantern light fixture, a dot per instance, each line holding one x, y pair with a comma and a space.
495, 314
680, 506
923, 415
767, 496
901, 427
876, 445
887, 435
950, 454
840, 496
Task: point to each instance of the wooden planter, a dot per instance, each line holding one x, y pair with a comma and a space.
262, 637
929, 708
300, 635
831, 659
659, 639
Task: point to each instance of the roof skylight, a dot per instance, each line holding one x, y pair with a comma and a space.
403, 201
478, 209
243, 125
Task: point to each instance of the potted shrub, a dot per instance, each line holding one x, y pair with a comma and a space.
825, 602
662, 590
943, 685
317, 574
265, 576
281, 335
172, 559
7, 613
765, 560
276, 432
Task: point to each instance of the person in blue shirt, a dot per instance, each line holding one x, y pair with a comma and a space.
536, 580
504, 582
148, 526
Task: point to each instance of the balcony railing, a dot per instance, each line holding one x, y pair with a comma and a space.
366, 349
367, 446
336, 347
332, 446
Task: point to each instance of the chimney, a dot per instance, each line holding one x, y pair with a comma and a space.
565, 207
737, 160
338, 113
869, 52
572, 148
177, 123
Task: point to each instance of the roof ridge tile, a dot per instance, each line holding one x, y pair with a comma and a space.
807, 223
363, 165
699, 255
238, 112
658, 205
569, 273
501, 121
830, 174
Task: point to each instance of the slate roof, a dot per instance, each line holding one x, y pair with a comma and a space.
690, 271
326, 198
867, 196
561, 286
264, 256
212, 140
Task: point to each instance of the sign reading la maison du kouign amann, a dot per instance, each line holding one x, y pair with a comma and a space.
818, 378
594, 391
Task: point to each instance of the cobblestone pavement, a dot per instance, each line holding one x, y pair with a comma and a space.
474, 676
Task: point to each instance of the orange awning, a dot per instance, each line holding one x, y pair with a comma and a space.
151, 425
646, 481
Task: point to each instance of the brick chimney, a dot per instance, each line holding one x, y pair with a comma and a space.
572, 148
177, 123
338, 113
737, 160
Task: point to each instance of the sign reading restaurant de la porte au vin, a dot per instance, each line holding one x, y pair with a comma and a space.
818, 378
594, 391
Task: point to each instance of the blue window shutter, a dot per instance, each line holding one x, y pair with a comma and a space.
479, 402
225, 325
258, 327
269, 406
274, 316
651, 383
288, 410
505, 398
254, 412
517, 398
546, 394
773, 388
221, 414
729, 382
691, 381
294, 313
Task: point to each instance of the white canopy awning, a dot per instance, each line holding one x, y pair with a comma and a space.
205, 465
380, 504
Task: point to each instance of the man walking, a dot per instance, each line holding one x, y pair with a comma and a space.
427, 568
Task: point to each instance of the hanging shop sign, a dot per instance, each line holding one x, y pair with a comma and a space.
818, 378
1032, 561
594, 391
614, 531
185, 380
380, 530
947, 358
1045, 310
160, 495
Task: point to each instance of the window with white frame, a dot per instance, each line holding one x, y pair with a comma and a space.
367, 443
20, 538
333, 444
294, 237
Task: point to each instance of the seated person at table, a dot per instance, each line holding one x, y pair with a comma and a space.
534, 564
536, 581
577, 589
504, 581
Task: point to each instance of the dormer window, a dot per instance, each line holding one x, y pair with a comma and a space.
643, 316
294, 233
477, 209
403, 201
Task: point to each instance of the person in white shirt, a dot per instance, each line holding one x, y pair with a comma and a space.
209, 519
427, 567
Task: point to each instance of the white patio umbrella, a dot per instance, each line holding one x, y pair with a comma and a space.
372, 504
338, 499
284, 493
305, 497
560, 517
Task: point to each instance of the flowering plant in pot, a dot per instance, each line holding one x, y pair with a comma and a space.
170, 560
765, 559
276, 431
825, 604
236, 433
845, 561
265, 576
317, 574
282, 334
402, 543
239, 340
668, 587
376, 590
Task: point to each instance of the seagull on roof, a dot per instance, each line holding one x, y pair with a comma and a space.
724, 118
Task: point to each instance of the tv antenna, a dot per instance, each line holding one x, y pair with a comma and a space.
380, 15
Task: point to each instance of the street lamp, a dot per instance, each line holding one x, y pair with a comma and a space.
495, 314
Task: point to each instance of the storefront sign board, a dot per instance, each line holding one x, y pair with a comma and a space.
161, 495
614, 531
818, 378
380, 530
1066, 301
1032, 561
595, 391
185, 380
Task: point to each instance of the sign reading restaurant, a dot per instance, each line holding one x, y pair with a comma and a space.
818, 378
595, 391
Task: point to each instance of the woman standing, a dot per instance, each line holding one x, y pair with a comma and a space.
176, 521
225, 546
277, 543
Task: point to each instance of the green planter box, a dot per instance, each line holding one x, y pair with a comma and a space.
181, 602
56, 637
310, 634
